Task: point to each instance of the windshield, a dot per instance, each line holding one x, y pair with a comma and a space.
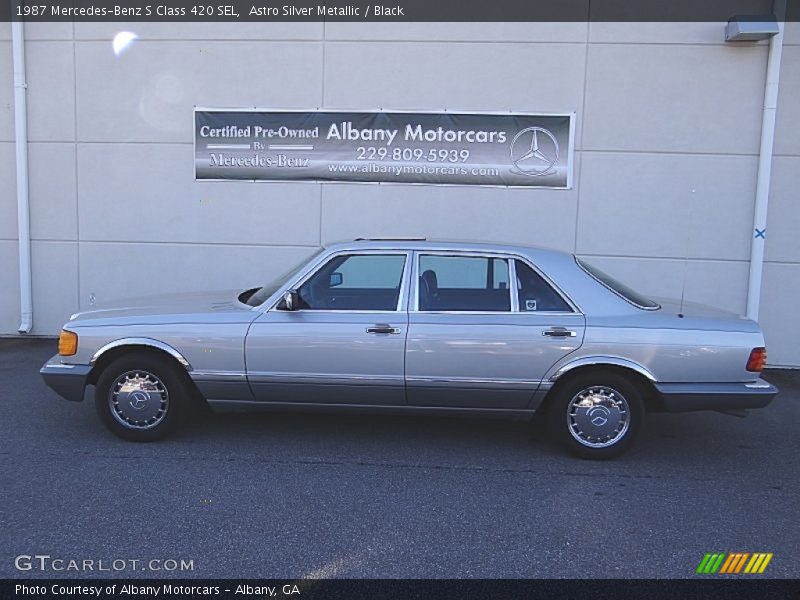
619, 288
265, 292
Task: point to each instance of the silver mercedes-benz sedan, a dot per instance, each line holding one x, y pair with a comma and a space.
423, 327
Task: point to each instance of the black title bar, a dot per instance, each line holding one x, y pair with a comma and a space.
232, 11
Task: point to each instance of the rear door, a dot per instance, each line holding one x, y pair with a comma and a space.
483, 331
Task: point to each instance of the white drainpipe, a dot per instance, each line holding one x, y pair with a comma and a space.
758, 233
23, 210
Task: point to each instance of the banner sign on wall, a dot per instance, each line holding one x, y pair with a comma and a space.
499, 149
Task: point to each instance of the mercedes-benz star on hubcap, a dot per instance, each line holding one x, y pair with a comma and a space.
598, 416
138, 400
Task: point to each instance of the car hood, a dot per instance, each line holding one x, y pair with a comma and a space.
183, 307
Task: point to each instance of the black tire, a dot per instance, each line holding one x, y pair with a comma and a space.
163, 401
607, 425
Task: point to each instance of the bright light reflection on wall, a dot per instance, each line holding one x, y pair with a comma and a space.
122, 41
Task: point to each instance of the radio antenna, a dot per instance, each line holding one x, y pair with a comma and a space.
686, 254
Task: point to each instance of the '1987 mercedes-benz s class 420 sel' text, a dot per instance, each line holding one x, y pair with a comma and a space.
423, 327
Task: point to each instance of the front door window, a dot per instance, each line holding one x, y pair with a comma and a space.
355, 282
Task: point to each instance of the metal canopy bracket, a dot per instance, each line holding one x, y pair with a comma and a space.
751, 28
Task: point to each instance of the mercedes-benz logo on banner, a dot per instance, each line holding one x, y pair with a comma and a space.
534, 152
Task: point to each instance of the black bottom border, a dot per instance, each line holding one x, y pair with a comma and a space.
410, 589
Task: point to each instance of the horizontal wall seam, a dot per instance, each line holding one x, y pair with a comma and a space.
51, 240
532, 42
523, 42
405, 41
326, 37
170, 243
313, 246
384, 40
577, 150
174, 243
667, 152
140, 40
788, 263
341, 41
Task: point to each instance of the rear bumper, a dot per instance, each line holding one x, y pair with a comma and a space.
684, 397
68, 381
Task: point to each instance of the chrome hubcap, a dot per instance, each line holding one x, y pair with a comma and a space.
598, 416
138, 400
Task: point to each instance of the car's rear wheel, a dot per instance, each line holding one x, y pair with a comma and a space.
596, 414
140, 396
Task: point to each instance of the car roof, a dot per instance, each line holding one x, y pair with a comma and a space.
445, 245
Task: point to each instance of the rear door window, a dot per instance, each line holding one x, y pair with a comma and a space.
463, 283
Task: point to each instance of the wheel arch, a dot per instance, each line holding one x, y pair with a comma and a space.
638, 375
113, 350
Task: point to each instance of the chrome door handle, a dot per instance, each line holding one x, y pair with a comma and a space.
381, 328
558, 332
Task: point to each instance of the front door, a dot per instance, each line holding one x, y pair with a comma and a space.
345, 343
483, 331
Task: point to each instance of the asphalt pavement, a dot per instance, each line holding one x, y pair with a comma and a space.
298, 495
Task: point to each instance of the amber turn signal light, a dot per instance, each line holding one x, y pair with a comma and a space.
67, 343
757, 360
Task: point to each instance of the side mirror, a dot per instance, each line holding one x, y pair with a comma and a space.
290, 301
336, 279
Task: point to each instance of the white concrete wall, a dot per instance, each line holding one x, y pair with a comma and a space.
666, 152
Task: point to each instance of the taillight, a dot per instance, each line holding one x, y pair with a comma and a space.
67, 343
757, 360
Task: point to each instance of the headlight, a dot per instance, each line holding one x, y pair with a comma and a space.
67, 343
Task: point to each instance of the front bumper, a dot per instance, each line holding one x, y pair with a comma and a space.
68, 381
685, 397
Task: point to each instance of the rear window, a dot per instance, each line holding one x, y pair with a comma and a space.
619, 288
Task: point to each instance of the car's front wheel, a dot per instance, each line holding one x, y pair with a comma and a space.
140, 397
596, 414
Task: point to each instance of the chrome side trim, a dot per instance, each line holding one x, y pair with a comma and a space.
758, 385
269, 376
257, 377
224, 405
219, 376
603, 360
469, 382
137, 341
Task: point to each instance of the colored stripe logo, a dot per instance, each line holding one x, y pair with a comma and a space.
734, 563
